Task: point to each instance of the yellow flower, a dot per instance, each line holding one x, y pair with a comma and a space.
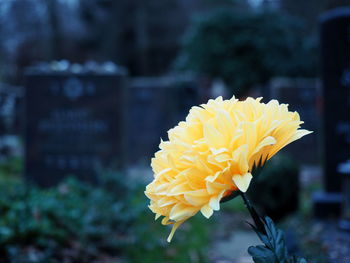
212, 154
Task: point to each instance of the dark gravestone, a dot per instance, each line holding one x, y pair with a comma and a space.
155, 106
11, 102
74, 125
335, 43
335, 40
302, 95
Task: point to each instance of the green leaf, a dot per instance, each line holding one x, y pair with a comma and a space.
261, 236
274, 249
262, 254
275, 240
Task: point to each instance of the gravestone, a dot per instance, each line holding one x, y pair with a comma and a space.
335, 39
11, 100
335, 48
74, 125
156, 104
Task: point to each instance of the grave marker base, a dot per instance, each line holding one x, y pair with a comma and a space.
326, 204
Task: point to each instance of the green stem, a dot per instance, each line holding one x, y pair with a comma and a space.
234, 194
258, 221
246, 202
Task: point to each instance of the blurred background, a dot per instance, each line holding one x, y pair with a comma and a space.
88, 88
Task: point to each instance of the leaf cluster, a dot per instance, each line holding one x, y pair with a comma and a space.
74, 214
274, 249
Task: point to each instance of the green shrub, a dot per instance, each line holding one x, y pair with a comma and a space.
276, 188
78, 222
11, 165
247, 48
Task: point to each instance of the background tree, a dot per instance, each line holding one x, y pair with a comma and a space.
245, 49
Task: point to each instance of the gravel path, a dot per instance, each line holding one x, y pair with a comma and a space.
336, 242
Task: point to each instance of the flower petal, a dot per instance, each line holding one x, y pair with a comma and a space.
242, 181
175, 226
207, 211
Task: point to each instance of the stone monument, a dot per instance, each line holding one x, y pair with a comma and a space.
335, 48
74, 124
156, 104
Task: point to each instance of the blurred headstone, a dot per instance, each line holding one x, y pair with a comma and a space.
344, 169
335, 37
11, 98
335, 43
156, 104
303, 96
74, 123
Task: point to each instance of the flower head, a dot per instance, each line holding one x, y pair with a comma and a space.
213, 152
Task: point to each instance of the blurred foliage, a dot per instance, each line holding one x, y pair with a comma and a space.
235, 205
11, 165
77, 222
309, 234
308, 237
275, 190
247, 48
309, 11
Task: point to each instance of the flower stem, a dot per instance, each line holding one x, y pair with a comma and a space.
258, 221
246, 202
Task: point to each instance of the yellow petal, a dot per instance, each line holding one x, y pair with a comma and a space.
179, 189
269, 140
214, 202
181, 212
175, 226
242, 181
212, 178
212, 136
214, 187
196, 200
298, 134
165, 221
165, 201
157, 216
222, 157
207, 211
